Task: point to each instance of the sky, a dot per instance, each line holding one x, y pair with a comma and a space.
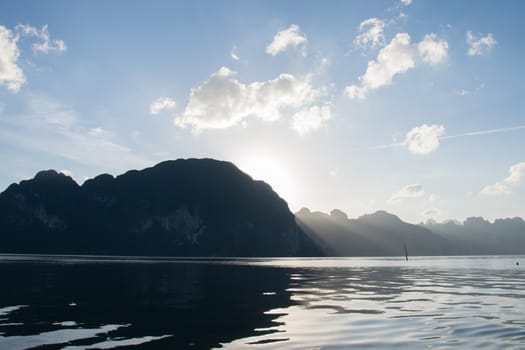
413, 107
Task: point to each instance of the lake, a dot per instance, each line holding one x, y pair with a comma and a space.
75, 302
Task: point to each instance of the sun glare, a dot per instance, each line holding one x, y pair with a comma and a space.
272, 171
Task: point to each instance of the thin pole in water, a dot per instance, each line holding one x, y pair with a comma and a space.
406, 251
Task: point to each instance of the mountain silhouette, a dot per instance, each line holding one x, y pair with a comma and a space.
377, 234
185, 207
478, 236
205, 207
384, 234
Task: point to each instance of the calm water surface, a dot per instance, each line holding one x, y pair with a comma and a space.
71, 302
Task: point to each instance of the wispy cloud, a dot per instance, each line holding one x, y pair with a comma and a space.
466, 134
480, 45
497, 189
371, 33
52, 128
287, 38
408, 191
233, 54
485, 132
44, 44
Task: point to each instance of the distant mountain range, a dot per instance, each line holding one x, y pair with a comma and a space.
384, 234
193, 207
205, 207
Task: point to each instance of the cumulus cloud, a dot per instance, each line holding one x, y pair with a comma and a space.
409, 191
44, 44
424, 139
285, 39
371, 33
396, 58
432, 50
516, 176
161, 104
311, 118
479, 45
406, 2
11, 75
498, 189
223, 101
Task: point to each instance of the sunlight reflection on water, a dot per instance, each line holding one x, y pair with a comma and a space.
441, 302
430, 302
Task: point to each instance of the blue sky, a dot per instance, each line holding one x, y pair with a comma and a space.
337, 104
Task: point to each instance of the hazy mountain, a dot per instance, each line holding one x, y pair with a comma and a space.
377, 234
194, 207
478, 236
383, 234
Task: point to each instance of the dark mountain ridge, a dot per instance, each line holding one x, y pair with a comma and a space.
186, 207
205, 207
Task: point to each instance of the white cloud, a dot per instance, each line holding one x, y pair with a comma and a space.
311, 118
424, 139
480, 45
291, 37
498, 189
396, 58
516, 174
45, 44
223, 101
233, 54
160, 104
11, 75
433, 50
406, 2
371, 33
462, 92
99, 132
409, 191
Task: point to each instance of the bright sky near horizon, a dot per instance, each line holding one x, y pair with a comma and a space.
409, 106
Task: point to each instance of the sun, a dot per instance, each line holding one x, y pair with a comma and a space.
273, 171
